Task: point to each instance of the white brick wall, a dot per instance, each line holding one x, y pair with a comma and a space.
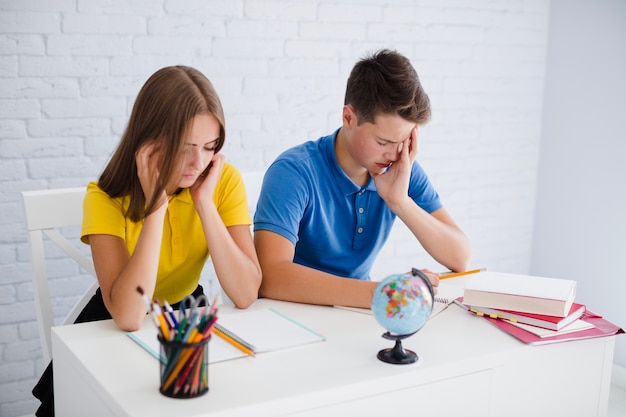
70, 69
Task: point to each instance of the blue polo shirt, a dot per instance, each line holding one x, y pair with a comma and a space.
335, 225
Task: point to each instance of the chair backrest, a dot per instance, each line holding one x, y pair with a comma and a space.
47, 211
253, 181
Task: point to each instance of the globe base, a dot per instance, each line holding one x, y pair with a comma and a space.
398, 355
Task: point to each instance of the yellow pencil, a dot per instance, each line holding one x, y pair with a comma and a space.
232, 341
163, 325
446, 275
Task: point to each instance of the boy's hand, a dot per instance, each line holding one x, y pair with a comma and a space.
393, 185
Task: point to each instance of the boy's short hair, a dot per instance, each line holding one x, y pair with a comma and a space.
385, 82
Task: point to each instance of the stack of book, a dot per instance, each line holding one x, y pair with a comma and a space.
536, 310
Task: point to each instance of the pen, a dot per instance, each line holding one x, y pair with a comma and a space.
170, 312
446, 275
162, 312
149, 308
232, 341
145, 299
214, 305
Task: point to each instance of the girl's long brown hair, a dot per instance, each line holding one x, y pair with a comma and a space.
162, 112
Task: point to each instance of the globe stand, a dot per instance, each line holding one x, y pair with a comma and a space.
397, 355
391, 297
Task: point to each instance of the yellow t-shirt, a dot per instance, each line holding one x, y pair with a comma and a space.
184, 249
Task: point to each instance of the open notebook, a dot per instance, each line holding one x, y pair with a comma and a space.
265, 329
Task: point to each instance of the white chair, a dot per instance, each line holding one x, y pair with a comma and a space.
253, 181
47, 211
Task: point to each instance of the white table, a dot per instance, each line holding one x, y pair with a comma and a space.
467, 367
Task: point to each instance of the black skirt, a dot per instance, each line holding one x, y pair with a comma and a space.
93, 311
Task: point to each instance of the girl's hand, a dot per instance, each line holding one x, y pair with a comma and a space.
148, 159
203, 190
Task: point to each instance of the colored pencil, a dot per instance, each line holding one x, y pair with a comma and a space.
446, 275
232, 341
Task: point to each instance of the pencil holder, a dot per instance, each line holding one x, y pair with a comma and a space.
185, 370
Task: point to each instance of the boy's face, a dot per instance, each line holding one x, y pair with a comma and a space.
375, 146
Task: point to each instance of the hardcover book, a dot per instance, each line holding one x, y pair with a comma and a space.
523, 293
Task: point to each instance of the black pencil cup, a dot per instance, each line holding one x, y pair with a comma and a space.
184, 368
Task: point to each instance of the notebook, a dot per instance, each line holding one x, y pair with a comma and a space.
265, 329
575, 326
538, 320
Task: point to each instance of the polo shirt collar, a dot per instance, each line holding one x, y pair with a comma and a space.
183, 196
343, 181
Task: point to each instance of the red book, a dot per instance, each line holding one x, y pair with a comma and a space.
601, 328
538, 320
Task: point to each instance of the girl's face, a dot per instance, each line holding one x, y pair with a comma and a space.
198, 148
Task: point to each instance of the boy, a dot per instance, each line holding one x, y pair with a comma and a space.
327, 207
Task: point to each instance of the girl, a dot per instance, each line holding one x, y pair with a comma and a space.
165, 201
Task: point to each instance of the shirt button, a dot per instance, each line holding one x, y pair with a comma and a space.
174, 220
360, 230
361, 210
176, 241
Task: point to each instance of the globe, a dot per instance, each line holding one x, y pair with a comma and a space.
402, 304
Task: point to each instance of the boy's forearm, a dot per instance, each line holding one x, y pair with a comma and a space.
439, 236
298, 283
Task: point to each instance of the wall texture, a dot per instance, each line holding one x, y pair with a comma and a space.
580, 228
70, 69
